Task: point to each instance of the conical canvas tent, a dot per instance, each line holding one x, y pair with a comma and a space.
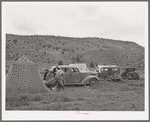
24, 78
82, 66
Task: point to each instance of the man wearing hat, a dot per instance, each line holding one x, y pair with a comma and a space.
59, 77
55, 69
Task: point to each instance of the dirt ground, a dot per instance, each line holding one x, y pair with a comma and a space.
104, 96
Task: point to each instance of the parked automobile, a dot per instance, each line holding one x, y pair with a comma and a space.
73, 76
108, 72
130, 74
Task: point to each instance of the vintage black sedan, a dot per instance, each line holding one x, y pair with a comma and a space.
108, 72
130, 73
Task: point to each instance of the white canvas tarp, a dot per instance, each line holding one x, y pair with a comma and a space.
82, 67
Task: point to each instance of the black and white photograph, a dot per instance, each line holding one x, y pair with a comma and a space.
75, 60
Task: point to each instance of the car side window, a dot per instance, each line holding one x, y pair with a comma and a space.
105, 69
74, 70
66, 70
115, 69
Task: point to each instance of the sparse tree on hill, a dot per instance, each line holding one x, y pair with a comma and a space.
48, 46
72, 50
60, 62
44, 53
48, 60
56, 48
78, 58
62, 52
92, 65
73, 60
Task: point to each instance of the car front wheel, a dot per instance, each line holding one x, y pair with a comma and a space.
92, 82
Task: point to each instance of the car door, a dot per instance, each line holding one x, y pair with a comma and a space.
75, 75
67, 73
104, 72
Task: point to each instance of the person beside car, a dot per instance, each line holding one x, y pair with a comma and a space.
59, 77
55, 70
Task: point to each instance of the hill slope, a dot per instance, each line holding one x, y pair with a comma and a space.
51, 49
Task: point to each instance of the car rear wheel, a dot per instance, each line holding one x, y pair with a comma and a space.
92, 82
116, 75
135, 76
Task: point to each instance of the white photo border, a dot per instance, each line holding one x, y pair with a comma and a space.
72, 115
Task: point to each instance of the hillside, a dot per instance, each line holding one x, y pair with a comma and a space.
49, 50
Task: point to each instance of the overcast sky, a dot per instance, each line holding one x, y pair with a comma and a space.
112, 20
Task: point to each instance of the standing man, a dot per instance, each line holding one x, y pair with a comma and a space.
55, 69
59, 77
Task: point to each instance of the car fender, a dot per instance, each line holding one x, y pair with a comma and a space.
88, 78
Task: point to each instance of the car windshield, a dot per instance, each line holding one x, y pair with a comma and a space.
115, 69
104, 69
131, 69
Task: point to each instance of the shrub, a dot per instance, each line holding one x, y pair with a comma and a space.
65, 99
60, 62
48, 61
17, 100
49, 46
64, 49
78, 58
44, 53
73, 58
36, 98
62, 52
72, 50
91, 64
23, 98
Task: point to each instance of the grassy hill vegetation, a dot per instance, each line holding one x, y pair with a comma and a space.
50, 50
